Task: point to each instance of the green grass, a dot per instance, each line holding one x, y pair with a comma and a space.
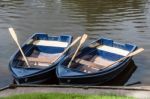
63, 96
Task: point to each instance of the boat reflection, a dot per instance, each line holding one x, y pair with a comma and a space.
123, 77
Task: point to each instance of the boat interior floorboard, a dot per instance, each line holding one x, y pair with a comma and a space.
96, 59
37, 54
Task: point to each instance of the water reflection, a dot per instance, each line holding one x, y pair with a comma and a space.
106, 16
124, 75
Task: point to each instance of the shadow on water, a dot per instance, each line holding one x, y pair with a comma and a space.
124, 76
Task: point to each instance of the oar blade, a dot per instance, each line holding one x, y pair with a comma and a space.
13, 34
84, 37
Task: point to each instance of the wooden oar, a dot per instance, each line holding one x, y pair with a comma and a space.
84, 37
14, 36
51, 60
97, 66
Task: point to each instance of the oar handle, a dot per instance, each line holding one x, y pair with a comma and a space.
136, 52
130, 55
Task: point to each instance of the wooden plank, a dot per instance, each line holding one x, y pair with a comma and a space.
102, 61
40, 59
50, 43
113, 50
90, 64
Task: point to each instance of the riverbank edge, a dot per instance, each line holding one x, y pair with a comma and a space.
141, 92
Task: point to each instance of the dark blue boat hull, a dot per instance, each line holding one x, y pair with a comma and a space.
48, 76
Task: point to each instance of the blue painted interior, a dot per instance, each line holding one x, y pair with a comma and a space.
51, 49
111, 43
63, 71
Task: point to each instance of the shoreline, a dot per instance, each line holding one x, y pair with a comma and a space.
141, 92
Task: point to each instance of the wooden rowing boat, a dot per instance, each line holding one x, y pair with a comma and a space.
96, 63
43, 52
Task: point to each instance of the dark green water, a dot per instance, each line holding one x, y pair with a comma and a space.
122, 20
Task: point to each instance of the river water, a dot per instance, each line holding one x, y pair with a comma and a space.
122, 20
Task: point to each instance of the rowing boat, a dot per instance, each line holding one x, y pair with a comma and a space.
43, 53
96, 63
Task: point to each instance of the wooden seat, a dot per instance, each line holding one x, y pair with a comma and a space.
50, 43
102, 61
41, 60
90, 64
114, 50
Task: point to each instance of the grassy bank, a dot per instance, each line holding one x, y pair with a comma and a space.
63, 96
